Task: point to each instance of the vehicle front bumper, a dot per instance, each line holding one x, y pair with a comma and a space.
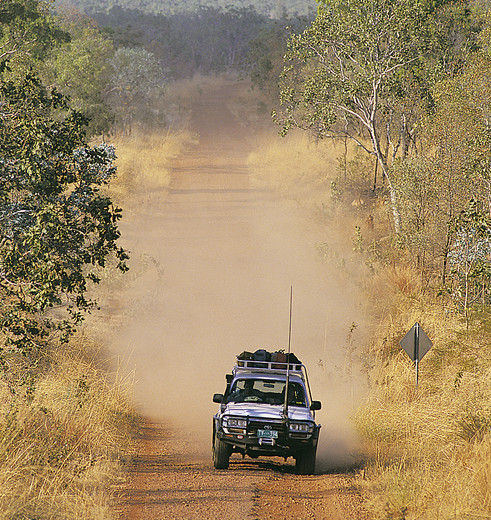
285, 445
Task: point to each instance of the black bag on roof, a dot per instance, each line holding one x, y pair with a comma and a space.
262, 355
291, 358
245, 355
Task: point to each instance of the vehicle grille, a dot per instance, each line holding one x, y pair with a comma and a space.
264, 424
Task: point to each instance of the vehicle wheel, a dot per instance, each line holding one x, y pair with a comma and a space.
221, 454
305, 464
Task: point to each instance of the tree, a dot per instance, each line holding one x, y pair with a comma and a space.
136, 78
453, 165
470, 256
350, 75
265, 53
27, 30
56, 226
81, 70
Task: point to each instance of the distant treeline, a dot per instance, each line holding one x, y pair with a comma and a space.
209, 39
270, 8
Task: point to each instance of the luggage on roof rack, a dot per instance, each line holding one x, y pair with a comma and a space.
261, 356
246, 355
263, 360
279, 357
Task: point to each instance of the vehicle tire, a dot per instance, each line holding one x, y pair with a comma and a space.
305, 464
221, 454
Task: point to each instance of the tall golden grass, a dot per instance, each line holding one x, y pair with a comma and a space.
428, 449
144, 161
62, 442
295, 166
60, 448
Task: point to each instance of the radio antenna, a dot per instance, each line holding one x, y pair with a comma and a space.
290, 326
285, 404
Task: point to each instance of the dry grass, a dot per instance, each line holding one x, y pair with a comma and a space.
295, 166
61, 445
60, 450
430, 449
144, 161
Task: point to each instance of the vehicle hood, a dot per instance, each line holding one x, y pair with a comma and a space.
266, 411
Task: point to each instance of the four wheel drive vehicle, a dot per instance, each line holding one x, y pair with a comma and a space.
255, 417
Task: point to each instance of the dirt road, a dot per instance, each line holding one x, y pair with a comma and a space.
170, 480
219, 257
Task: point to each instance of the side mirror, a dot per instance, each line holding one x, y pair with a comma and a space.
217, 398
316, 405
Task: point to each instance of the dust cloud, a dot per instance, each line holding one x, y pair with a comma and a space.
213, 262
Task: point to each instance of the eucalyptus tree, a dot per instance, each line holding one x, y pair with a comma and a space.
57, 227
81, 70
137, 78
470, 257
358, 73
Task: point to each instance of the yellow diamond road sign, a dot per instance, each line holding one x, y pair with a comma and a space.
416, 343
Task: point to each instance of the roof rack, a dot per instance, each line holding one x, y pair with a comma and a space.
273, 367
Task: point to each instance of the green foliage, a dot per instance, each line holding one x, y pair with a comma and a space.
354, 73
470, 256
351, 61
453, 166
27, 30
67, 52
81, 70
56, 227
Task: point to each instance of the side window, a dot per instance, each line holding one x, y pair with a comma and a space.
296, 395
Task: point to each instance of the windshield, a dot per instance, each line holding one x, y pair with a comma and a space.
266, 391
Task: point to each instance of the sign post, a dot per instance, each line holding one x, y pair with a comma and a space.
416, 344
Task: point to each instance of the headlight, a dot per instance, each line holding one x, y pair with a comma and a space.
234, 422
301, 427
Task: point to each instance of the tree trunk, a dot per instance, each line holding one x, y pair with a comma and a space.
396, 215
445, 258
394, 206
375, 176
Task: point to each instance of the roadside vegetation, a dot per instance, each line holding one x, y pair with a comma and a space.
385, 107
66, 90
144, 160
62, 440
65, 420
426, 452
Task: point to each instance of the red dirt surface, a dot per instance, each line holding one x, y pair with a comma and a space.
168, 480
